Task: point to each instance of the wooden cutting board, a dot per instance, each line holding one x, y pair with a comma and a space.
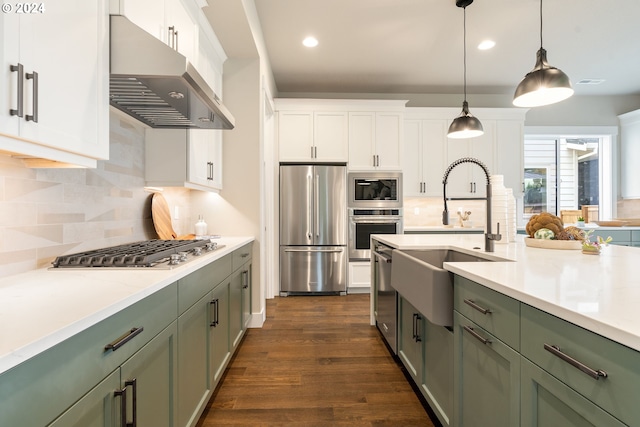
162, 217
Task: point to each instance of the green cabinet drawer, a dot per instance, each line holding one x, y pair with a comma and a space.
242, 255
549, 342
496, 313
194, 286
80, 362
635, 237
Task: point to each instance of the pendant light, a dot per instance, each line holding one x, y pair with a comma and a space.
465, 125
544, 84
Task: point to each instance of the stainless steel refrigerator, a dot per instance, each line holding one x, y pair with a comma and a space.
313, 229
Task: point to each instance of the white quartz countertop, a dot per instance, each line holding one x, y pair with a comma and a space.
42, 308
455, 228
601, 293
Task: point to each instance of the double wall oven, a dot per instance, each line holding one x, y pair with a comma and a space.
375, 207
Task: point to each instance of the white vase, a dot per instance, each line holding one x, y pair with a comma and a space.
499, 208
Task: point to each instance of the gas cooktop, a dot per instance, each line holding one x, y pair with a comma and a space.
146, 254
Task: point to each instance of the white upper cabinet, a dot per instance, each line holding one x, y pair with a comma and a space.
184, 158
629, 154
468, 179
375, 140
428, 152
424, 160
366, 134
168, 20
55, 67
314, 136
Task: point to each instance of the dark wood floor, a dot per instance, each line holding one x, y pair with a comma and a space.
315, 362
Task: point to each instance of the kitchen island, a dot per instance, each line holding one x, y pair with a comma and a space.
584, 305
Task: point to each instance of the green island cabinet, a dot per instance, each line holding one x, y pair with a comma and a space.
426, 351
154, 363
517, 365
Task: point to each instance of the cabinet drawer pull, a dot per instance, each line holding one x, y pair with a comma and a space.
20, 69
120, 341
596, 374
472, 304
244, 255
477, 335
245, 279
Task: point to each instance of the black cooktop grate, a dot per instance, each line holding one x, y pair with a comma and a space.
138, 254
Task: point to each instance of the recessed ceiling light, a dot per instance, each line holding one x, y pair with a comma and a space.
310, 42
486, 44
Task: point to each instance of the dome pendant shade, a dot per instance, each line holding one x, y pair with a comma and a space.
543, 85
465, 125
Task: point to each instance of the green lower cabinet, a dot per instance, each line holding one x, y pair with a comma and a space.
219, 349
410, 339
486, 378
235, 308
437, 381
548, 402
149, 378
98, 408
246, 295
194, 380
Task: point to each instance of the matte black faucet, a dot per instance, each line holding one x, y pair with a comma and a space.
489, 237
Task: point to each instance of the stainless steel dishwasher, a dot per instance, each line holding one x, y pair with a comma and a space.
386, 304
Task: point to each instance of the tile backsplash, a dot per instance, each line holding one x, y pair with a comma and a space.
48, 212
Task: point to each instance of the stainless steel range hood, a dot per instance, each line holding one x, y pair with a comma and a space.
155, 84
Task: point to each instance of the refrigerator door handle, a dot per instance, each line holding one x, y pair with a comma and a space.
310, 211
328, 251
317, 205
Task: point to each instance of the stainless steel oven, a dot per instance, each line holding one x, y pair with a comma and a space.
365, 222
375, 190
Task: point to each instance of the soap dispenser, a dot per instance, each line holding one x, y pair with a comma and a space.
201, 227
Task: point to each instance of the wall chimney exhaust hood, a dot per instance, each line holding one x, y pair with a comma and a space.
155, 84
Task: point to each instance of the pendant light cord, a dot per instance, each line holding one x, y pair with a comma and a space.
464, 56
540, 24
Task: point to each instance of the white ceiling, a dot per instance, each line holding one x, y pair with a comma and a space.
416, 46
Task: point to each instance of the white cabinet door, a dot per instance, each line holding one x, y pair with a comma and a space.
166, 20
64, 53
330, 136
181, 29
199, 168
412, 172
9, 80
375, 140
509, 154
295, 135
630, 153
468, 179
362, 134
388, 140
434, 135
184, 158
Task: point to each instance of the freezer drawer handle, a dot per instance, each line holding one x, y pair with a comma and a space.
477, 307
596, 374
477, 335
329, 251
20, 69
120, 341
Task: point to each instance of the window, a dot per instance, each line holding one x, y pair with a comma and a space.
567, 175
